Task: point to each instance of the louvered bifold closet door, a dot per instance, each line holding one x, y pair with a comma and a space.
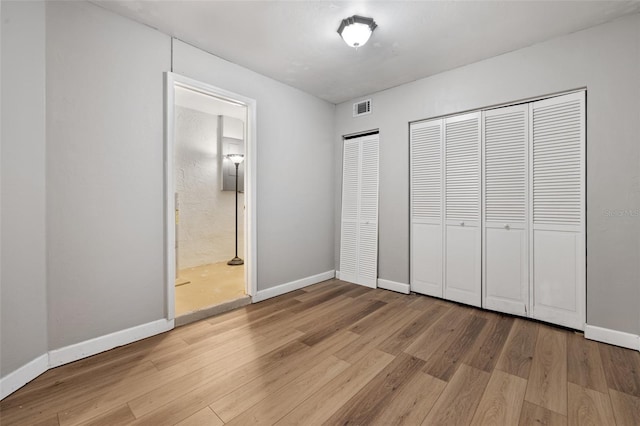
558, 200
426, 207
505, 231
368, 217
350, 207
462, 279
359, 224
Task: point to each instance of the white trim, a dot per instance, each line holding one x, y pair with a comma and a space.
394, 286
104, 343
23, 375
250, 236
337, 275
169, 199
613, 337
291, 286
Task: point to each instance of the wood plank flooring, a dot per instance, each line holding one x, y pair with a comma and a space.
340, 354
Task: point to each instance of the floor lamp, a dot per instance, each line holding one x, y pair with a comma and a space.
236, 159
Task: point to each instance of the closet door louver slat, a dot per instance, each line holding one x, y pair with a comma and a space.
462, 169
426, 175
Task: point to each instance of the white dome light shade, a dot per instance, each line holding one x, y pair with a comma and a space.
356, 35
236, 158
356, 30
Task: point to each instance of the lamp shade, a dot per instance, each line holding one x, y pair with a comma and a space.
236, 158
356, 30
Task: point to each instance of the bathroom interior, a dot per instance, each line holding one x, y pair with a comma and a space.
209, 141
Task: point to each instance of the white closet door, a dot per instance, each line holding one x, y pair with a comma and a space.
350, 201
462, 282
505, 235
558, 199
426, 207
359, 227
368, 217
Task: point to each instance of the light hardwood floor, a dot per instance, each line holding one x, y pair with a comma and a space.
335, 353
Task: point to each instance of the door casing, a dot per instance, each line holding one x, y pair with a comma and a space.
172, 80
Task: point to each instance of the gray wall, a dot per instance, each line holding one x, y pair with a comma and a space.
606, 60
104, 172
23, 293
294, 172
99, 268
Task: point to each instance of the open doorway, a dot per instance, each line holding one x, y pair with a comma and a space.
208, 185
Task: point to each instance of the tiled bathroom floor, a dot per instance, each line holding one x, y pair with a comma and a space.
209, 285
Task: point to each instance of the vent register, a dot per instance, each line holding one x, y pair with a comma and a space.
362, 108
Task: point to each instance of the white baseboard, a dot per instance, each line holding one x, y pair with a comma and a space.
337, 275
291, 286
394, 286
23, 375
613, 337
104, 343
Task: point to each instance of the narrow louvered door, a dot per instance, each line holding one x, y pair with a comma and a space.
359, 227
462, 279
368, 217
505, 232
350, 207
558, 257
426, 207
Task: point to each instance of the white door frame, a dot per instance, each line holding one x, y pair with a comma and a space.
172, 80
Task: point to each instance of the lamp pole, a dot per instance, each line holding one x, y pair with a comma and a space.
237, 159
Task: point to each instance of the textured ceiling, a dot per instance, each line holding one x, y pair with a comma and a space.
296, 42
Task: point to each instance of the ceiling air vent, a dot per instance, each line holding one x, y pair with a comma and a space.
362, 108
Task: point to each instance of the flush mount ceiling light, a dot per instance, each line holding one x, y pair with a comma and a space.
356, 30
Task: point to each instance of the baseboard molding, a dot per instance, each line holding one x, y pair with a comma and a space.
613, 337
291, 286
23, 375
394, 286
337, 275
104, 343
